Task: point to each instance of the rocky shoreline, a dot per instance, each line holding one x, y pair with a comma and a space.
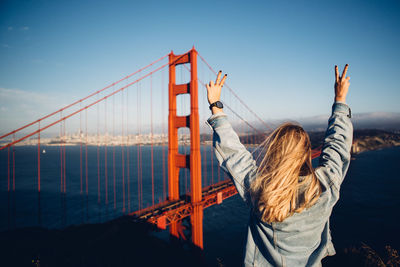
365, 140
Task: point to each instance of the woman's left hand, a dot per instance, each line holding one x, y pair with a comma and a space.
214, 89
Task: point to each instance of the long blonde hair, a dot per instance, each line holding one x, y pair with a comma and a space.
285, 182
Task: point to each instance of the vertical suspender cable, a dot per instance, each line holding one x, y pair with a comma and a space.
13, 159
61, 173
8, 169
64, 165
98, 156
80, 151
122, 151
80, 160
98, 160
138, 147
39, 218
38, 167
61, 160
127, 151
151, 138
13, 193
105, 153
64, 175
64, 160
8, 188
86, 168
115, 197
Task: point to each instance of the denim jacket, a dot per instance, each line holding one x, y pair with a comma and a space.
302, 239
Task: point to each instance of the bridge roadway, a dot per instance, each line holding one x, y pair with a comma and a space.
167, 212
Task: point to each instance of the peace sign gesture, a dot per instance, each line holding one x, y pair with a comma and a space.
214, 89
341, 84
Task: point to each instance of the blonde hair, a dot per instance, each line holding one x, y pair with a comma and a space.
285, 182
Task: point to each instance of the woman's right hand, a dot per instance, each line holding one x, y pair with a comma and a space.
341, 84
214, 89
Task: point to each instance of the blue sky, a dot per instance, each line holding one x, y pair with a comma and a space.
279, 55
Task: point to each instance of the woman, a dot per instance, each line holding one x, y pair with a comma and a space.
290, 201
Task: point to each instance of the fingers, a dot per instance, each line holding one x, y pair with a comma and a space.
336, 73
223, 80
217, 81
343, 77
218, 77
344, 71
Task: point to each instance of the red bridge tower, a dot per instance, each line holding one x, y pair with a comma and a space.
193, 160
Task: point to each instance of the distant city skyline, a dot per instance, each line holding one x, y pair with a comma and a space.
279, 56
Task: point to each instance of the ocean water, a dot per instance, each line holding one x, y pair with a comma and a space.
366, 212
105, 199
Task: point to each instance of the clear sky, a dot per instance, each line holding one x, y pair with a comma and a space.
279, 55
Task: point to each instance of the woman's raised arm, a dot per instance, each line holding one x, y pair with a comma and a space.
335, 155
232, 155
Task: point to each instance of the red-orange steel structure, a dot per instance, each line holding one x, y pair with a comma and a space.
176, 161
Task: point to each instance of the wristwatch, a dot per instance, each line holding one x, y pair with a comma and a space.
217, 104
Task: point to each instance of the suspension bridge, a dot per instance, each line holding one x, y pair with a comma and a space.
118, 152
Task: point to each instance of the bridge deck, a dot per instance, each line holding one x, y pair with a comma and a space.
167, 212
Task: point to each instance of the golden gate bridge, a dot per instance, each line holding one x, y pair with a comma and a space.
148, 164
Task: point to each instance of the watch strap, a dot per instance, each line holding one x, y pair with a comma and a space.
217, 104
